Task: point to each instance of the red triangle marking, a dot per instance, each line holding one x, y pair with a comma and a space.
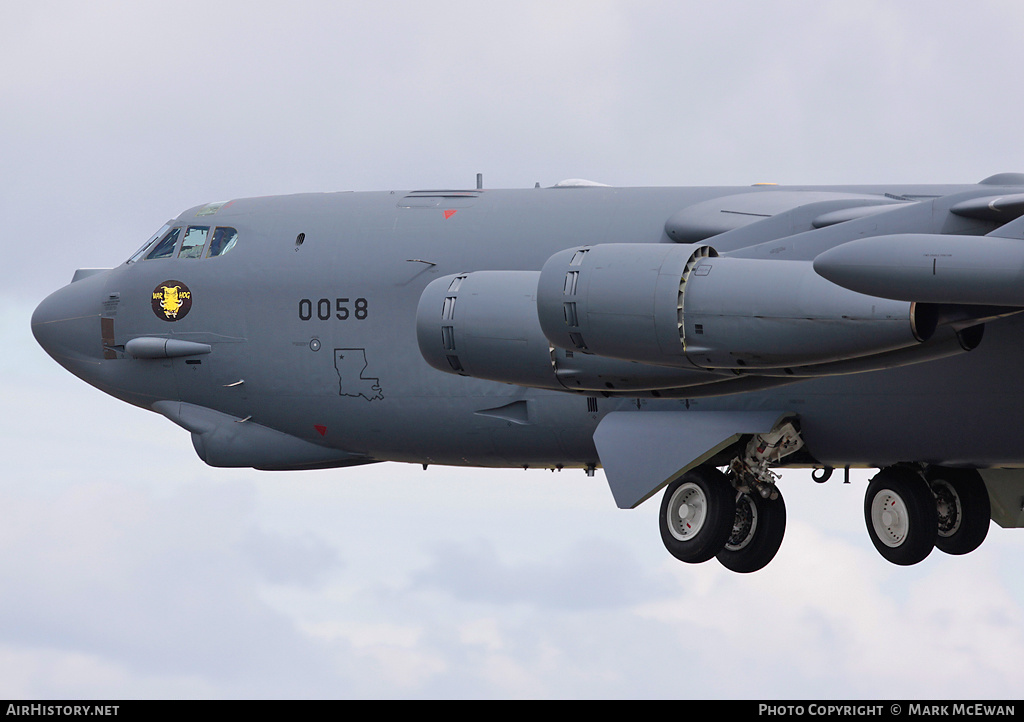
321, 429
449, 213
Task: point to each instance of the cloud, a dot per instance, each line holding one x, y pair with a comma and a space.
104, 576
592, 574
303, 560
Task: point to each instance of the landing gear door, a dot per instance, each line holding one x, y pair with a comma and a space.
643, 451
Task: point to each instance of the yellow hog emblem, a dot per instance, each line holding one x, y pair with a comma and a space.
172, 300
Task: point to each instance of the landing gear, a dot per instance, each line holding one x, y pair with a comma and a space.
908, 513
901, 516
740, 517
963, 509
757, 532
703, 516
697, 514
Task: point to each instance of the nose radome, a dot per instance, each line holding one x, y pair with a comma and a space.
67, 322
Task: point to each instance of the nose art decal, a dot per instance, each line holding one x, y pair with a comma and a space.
172, 300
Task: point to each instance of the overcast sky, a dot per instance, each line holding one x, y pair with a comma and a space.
130, 569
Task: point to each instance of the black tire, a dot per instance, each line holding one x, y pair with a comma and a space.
899, 510
701, 531
963, 509
758, 527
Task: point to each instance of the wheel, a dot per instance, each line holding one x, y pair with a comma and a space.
757, 531
963, 509
901, 516
697, 515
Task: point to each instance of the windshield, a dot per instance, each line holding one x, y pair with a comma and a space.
152, 239
164, 248
164, 242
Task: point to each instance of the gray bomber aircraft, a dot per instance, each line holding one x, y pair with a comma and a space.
691, 339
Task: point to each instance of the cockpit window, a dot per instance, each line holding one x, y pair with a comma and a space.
152, 239
195, 240
165, 248
223, 241
163, 243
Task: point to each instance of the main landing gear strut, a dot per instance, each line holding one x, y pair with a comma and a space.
738, 517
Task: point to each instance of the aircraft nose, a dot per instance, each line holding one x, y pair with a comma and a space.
67, 323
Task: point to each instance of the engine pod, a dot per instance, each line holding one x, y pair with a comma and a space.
684, 305
617, 299
484, 324
742, 312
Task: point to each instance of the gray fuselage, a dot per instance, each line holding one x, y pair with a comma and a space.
314, 312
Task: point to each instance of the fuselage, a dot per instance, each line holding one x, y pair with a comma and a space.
311, 324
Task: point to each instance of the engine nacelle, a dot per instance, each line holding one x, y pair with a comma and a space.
678, 305
484, 324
